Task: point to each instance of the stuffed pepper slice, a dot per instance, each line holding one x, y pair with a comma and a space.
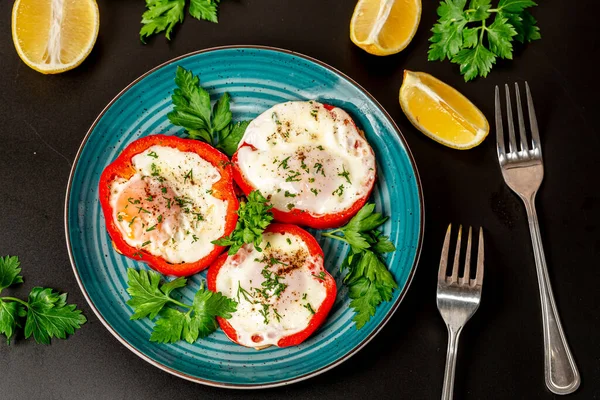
310, 160
283, 291
165, 199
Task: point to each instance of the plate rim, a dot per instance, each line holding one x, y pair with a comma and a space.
284, 382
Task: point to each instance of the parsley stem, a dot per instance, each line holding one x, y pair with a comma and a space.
482, 32
180, 304
26, 304
333, 236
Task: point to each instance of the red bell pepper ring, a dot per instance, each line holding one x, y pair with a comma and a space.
122, 168
299, 216
325, 279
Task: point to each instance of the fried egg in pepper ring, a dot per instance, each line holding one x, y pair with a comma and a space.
165, 200
310, 160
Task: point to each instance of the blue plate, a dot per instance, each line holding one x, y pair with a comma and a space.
257, 78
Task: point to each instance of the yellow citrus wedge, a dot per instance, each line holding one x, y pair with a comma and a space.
53, 36
384, 27
442, 112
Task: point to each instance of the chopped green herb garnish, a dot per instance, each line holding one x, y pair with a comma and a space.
315, 191
319, 168
153, 227
284, 164
345, 174
189, 176
339, 191
290, 206
309, 308
153, 154
288, 240
147, 242
155, 170
293, 177
288, 194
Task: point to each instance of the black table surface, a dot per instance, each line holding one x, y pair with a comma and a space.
43, 120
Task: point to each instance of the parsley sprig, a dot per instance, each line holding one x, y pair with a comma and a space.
163, 15
150, 298
44, 315
470, 37
192, 110
254, 215
368, 279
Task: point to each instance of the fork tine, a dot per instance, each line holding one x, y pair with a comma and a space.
499, 130
522, 133
512, 145
480, 259
454, 277
466, 275
444, 257
535, 133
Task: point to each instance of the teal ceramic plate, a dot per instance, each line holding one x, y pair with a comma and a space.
256, 78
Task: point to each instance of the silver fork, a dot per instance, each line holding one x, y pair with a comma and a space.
523, 172
457, 299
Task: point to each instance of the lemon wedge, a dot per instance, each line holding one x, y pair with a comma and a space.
53, 36
442, 112
384, 27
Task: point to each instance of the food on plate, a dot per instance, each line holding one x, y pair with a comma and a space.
283, 292
368, 280
383, 27
54, 36
173, 319
166, 199
254, 215
309, 160
192, 111
441, 112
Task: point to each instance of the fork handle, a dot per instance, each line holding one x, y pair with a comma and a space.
562, 376
448, 390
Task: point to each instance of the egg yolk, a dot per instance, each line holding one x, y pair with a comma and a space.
147, 212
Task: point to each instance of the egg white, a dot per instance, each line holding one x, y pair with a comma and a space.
241, 276
166, 207
303, 156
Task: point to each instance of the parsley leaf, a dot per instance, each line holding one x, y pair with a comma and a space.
161, 15
464, 35
208, 305
515, 6
192, 111
474, 62
369, 281
46, 314
10, 316
198, 322
254, 216
49, 315
169, 327
148, 296
204, 9
230, 137
9, 272
500, 35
